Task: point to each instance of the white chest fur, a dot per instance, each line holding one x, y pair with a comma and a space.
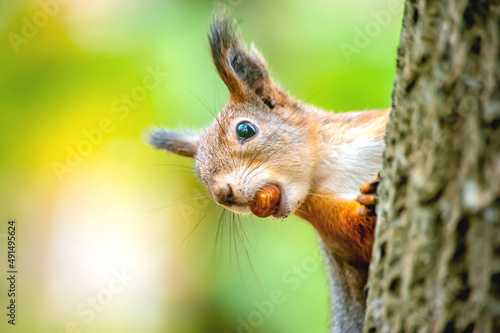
350, 157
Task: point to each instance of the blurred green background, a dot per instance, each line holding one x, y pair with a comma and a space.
104, 238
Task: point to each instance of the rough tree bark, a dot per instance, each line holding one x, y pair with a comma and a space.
436, 260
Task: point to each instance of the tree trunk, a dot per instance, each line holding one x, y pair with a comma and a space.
436, 259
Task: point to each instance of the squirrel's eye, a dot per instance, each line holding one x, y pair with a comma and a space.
245, 131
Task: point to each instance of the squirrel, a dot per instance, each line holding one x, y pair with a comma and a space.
297, 158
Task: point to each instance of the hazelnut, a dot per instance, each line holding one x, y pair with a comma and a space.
266, 201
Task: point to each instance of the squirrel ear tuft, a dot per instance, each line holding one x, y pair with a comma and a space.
243, 70
182, 143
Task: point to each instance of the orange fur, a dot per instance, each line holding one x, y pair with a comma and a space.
349, 234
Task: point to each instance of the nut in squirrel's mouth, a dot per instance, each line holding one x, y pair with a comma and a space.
269, 200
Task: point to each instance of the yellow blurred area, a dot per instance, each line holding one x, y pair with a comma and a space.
113, 236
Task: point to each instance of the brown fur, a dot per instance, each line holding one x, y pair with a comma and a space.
340, 225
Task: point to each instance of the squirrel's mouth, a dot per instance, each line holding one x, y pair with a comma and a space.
281, 209
269, 200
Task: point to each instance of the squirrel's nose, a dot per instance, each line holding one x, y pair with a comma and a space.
224, 195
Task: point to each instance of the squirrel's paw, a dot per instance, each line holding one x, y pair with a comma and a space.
368, 197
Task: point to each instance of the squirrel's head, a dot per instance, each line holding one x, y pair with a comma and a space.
261, 137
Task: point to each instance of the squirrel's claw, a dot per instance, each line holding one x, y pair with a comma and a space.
368, 197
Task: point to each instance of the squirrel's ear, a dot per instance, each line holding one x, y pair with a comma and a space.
182, 143
243, 70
